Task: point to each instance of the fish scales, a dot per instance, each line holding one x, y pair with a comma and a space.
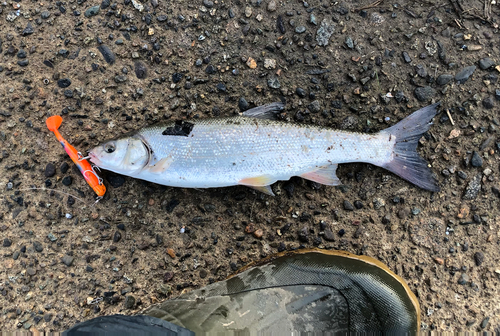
221, 152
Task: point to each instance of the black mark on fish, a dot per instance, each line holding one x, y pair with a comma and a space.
181, 128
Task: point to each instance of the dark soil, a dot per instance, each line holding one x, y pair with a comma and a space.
64, 260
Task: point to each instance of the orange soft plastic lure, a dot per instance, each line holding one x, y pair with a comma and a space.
87, 170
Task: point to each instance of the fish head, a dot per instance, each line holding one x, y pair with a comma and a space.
123, 156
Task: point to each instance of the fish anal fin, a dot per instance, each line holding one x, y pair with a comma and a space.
161, 166
263, 189
323, 175
261, 183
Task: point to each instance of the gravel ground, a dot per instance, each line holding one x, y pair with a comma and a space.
109, 68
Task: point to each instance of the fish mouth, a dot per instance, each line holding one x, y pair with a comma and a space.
94, 159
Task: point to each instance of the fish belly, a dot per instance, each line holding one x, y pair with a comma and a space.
219, 153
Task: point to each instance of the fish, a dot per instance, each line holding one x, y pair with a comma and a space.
94, 181
256, 150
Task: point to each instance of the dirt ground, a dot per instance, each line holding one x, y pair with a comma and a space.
132, 64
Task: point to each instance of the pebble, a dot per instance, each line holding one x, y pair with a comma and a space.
406, 57
273, 83
92, 11
7, 242
67, 180
108, 55
64, 167
300, 92
488, 103
348, 206
484, 322
243, 104
349, 42
486, 63
476, 160
50, 170
67, 260
329, 235
129, 302
444, 79
171, 252
258, 233
464, 279
425, 93
464, 74
28, 30
248, 11
63, 83
300, 29
140, 69
37, 246
324, 32
208, 3
479, 258
23, 62
421, 70
473, 188
271, 6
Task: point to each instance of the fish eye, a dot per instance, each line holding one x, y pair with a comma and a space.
109, 147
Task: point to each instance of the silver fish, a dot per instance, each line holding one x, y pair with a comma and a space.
255, 150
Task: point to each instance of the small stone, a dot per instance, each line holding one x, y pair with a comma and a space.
171, 252
324, 32
486, 63
208, 3
116, 181
406, 57
464, 279
64, 83
348, 206
300, 29
258, 233
424, 93
117, 236
488, 103
349, 42
67, 260
479, 258
23, 62
378, 203
476, 160
140, 69
28, 30
129, 302
444, 79
439, 261
328, 235
64, 167
484, 322
271, 6
314, 107
251, 63
31, 271
243, 104
473, 188
7, 242
248, 11
358, 204
92, 11
269, 63
421, 70
37, 246
464, 74
300, 92
108, 55
273, 83
50, 170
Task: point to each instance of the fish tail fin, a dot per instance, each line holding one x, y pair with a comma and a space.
53, 123
406, 162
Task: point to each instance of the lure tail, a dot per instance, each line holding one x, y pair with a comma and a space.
406, 162
53, 123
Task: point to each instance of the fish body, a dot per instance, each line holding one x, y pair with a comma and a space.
256, 151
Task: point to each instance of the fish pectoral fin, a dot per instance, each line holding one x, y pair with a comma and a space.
161, 166
324, 175
268, 111
260, 183
264, 189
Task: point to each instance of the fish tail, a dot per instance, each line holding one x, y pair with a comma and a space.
406, 162
53, 123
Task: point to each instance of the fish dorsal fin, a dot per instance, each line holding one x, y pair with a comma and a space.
324, 175
260, 183
268, 111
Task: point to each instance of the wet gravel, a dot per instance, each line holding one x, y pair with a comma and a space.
112, 67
